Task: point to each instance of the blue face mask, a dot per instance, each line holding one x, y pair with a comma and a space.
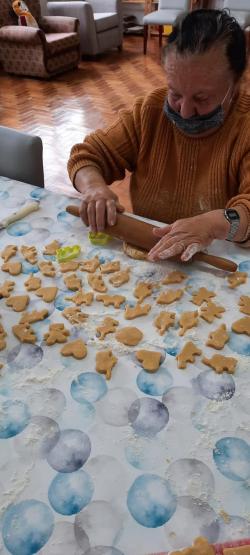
196, 124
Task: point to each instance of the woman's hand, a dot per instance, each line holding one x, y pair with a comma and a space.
190, 235
99, 207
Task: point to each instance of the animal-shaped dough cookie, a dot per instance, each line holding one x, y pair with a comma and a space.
211, 311
3, 334
70, 266
187, 354
220, 363
142, 291
200, 547
119, 278
242, 325
74, 315
129, 336
96, 282
202, 296
90, 265
73, 282
81, 298
48, 294
18, 302
244, 304
187, 321
32, 283
105, 362
150, 360
168, 297
6, 289
8, 252
24, 333
132, 312
47, 268
218, 338
237, 278
51, 248
174, 277
57, 334
34, 316
76, 349
29, 254
110, 267
164, 320
108, 325
14, 268
115, 300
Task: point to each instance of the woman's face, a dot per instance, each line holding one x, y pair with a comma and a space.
198, 83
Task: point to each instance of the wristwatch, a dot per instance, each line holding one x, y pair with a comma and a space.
233, 218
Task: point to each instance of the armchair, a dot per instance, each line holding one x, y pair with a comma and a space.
39, 52
101, 24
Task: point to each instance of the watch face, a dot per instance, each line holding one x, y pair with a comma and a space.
232, 214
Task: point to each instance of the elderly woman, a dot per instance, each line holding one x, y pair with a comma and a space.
187, 146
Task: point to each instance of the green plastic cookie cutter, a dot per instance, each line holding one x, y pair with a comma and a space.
67, 253
99, 238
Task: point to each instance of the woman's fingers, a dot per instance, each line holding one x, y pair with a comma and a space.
164, 243
100, 209
111, 212
84, 213
189, 252
161, 231
172, 251
91, 210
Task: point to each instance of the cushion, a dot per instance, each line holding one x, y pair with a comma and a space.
105, 21
25, 18
60, 42
161, 17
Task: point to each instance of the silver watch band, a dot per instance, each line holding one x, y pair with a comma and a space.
234, 226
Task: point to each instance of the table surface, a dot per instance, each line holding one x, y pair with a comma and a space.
142, 463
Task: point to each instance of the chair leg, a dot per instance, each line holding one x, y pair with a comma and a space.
120, 47
160, 35
145, 36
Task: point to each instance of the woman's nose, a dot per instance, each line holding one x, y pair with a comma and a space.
187, 109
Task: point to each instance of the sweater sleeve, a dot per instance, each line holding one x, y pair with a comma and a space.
110, 151
241, 201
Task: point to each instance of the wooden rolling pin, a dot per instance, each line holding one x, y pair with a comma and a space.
140, 234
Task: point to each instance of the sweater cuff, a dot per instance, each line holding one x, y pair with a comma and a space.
72, 171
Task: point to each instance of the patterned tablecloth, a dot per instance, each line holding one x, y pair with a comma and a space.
142, 463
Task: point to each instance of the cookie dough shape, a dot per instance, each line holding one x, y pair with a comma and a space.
76, 349
202, 296
81, 298
8, 252
14, 268
70, 266
24, 333
3, 334
18, 302
187, 354
220, 363
90, 265
134, 252
168, 297
174, 277
242, 325
150, 360
32, 283
187, 321
129, 336
51, 248
241, 550
73, 282
108, 325
211, 311
105, 362
110, 267
57, 334
236, 279
142, 291
96, 282
74, 315
34, 316
29, 254
47, 268
115, 300
119, 278
244, 304
48, 294
218, 338
6, 289
132, 312
164, 321
199, 547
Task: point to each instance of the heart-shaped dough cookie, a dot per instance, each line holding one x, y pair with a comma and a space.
48, 294
76, 349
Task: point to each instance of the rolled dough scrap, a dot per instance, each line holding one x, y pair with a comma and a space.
105, 361
220, 364
218, 338
135, 252
129, 336
187, 354
242, 325
244, 304
187, 321
164, 320
76, 349
150, 360
136, 311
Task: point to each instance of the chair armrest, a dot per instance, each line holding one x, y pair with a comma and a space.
75, 8
59, 24
23, 35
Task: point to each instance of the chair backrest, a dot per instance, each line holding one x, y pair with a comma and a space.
21, 156
237, 5
174, 4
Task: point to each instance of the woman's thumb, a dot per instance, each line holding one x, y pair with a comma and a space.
161, 231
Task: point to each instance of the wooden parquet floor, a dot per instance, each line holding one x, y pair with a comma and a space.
62, 111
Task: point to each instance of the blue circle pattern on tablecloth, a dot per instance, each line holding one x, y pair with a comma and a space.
24, 356
28, 268
70, 452
244, 266
150, 501
27, 526
232, 458
239, 344
38, 193
14, 417
218, 387
4, 195
88, 387
172, 344
70, 493
19, 228
148, 416
154, 384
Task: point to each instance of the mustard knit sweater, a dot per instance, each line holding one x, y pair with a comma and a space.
173, 175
